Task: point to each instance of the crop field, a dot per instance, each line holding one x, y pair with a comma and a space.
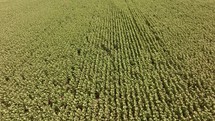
107, 60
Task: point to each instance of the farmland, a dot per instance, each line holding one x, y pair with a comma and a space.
144, 60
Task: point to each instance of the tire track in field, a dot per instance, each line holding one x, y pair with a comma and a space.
126, 54
154, 47
124, 73
149, 105
173, 67
94, 70
113, 91
151, 50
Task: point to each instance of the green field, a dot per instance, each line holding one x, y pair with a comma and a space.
107, 60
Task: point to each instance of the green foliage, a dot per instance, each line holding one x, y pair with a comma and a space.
147, 60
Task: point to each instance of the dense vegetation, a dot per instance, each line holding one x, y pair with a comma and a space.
107, 60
